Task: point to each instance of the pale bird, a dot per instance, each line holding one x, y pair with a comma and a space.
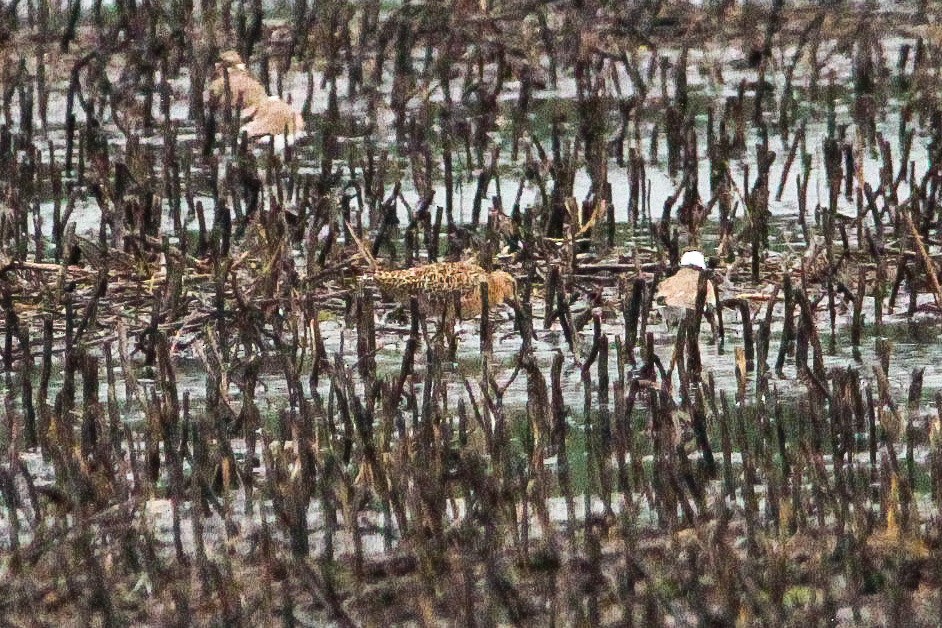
275, 118
678, 293
263, 116
244, 87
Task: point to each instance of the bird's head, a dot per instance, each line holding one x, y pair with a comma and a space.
501, 286
694, 259
231, 59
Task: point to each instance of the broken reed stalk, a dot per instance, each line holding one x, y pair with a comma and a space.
693, 321
927, 262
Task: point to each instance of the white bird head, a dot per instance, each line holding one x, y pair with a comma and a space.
693, 258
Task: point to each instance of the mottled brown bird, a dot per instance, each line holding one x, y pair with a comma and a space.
438, 285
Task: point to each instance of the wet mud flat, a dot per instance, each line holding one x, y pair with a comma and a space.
212, 415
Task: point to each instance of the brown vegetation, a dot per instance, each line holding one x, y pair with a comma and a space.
200, 427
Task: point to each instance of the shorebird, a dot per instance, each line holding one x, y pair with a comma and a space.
263, 116
678, 293
439, 286
243, 87
274, 118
